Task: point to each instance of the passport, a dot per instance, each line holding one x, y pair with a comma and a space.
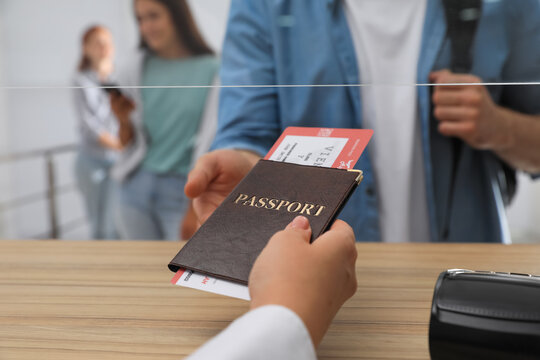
270, 196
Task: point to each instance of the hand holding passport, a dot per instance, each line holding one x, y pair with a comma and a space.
312, 280
274, 192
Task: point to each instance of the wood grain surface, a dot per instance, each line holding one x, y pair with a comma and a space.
114, 300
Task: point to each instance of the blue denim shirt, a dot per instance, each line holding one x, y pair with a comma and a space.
307, 42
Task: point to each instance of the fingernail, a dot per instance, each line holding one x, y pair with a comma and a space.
300, 222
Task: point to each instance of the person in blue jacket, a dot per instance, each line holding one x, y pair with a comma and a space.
312, 46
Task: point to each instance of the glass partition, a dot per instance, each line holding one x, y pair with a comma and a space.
426, 75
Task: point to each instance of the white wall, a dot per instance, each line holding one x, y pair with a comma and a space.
4, 145
211, 15
40, 48
42, 43
524, 214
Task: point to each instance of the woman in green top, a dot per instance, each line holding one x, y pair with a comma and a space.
161, 126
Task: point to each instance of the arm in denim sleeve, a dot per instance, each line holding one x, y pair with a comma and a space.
248, 116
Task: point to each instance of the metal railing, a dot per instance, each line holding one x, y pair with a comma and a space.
52, 189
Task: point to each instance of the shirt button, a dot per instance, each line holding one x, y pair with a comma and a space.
370, 191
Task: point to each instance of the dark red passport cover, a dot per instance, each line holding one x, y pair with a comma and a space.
263, 203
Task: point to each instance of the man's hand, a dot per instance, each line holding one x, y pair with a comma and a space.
313, 280
468, 112
213, 178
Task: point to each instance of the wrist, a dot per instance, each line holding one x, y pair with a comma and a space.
504, 138
314, 318
251, 156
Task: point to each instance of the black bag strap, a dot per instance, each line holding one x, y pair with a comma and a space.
462, 18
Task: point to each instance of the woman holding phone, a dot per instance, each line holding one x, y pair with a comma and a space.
163, 124
98, 130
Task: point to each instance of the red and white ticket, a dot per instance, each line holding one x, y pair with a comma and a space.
193, 280
324, 147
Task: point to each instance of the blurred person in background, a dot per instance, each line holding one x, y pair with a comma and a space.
98, 129
162, 129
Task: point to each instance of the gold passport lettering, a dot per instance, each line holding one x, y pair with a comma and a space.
277, 204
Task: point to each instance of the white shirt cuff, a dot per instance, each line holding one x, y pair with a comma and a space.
269, 332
